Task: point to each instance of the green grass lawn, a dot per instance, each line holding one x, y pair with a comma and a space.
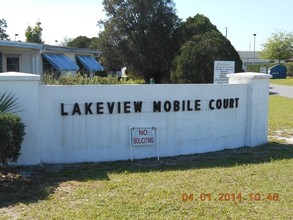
246, 183
281, 116
283, 82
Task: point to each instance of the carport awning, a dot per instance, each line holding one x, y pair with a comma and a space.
90, 63
61, 62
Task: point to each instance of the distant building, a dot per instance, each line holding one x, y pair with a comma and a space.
249, 57
42, 58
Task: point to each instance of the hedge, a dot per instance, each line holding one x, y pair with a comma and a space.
11, 137
80, 79
256, 67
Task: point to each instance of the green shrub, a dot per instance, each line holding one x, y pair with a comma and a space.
79, 79
289, 69
256, 67
11, 137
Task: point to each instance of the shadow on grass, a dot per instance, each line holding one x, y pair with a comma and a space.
31, 184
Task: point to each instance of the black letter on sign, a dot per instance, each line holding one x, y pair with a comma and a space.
100, 108
137, 106
111, 106
127, 107
188, 106
231, 103
87, 108
236, 99
167, 106
157, 106
197, 105
226, 103
211, 104
76, 109
119, 107
219, 104
62, 110
176, 106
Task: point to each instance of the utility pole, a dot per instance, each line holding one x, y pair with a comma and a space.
254, 35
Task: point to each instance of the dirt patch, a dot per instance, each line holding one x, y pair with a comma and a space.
285, 136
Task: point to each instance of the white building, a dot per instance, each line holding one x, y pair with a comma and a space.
41, 58
251, 57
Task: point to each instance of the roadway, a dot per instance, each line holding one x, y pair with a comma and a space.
286, 91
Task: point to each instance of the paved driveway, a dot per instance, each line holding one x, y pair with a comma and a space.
286, 91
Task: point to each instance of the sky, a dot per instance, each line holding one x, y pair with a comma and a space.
62, 19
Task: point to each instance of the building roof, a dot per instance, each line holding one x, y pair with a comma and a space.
45, 47
18, 44
251, 56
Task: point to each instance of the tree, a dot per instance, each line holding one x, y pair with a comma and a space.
3, 26
65, 41
202, 44
278, 47
110, 56
199, 24
79, 42
140, 35
34, 34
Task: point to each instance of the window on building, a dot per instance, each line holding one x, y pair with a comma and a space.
57, 64
48, 69
12, 64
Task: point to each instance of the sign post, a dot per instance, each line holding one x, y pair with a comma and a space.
263, 70
143, 136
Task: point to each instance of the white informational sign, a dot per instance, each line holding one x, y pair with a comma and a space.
221, 69
263, 70
143, 136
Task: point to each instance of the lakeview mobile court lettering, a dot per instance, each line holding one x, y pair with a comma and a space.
126, 107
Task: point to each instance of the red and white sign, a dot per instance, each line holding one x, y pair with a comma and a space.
142, 136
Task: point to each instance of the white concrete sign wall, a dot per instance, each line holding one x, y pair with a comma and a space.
69, 124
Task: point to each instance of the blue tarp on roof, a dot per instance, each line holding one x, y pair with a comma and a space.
90, 63
61, 62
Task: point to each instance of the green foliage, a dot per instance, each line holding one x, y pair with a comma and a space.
3, 26
280, 116
140, 35
282, 82
34, 34
202, 45
199, 24
256, 67
79, 79
8, 103
289, 69
11, 137
278, 47
80, 42
65, 41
